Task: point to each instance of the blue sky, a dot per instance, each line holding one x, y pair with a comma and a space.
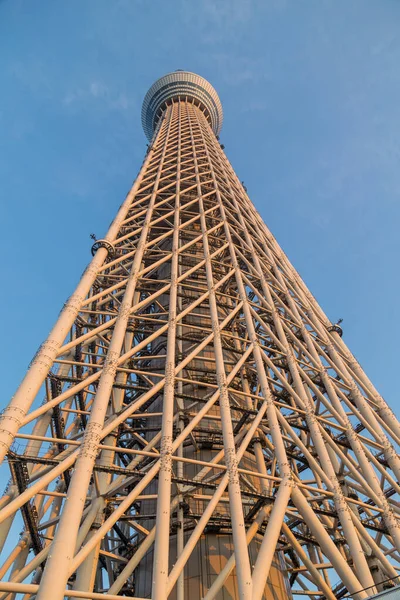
311, 96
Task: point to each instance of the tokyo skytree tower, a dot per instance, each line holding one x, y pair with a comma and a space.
194, 426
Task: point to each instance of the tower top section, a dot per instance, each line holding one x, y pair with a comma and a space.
181, 84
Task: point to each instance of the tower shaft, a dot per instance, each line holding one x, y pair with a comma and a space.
205, 432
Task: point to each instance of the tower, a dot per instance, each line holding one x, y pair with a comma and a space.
194, 426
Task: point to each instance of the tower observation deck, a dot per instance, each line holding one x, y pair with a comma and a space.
194, 426
181, 85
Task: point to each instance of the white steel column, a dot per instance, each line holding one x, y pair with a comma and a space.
61, 553
161, 549
11, 419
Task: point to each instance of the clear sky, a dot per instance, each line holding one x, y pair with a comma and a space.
311, 96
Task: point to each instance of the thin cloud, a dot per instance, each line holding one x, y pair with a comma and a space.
237, 70
99, 93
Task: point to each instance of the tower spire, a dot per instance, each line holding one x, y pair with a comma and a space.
194, 427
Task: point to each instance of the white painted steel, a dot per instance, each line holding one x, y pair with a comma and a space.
205, 432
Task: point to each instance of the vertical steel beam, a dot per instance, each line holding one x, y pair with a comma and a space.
161, 549
54, 580
238, 528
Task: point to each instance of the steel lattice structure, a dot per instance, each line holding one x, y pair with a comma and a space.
205, 432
